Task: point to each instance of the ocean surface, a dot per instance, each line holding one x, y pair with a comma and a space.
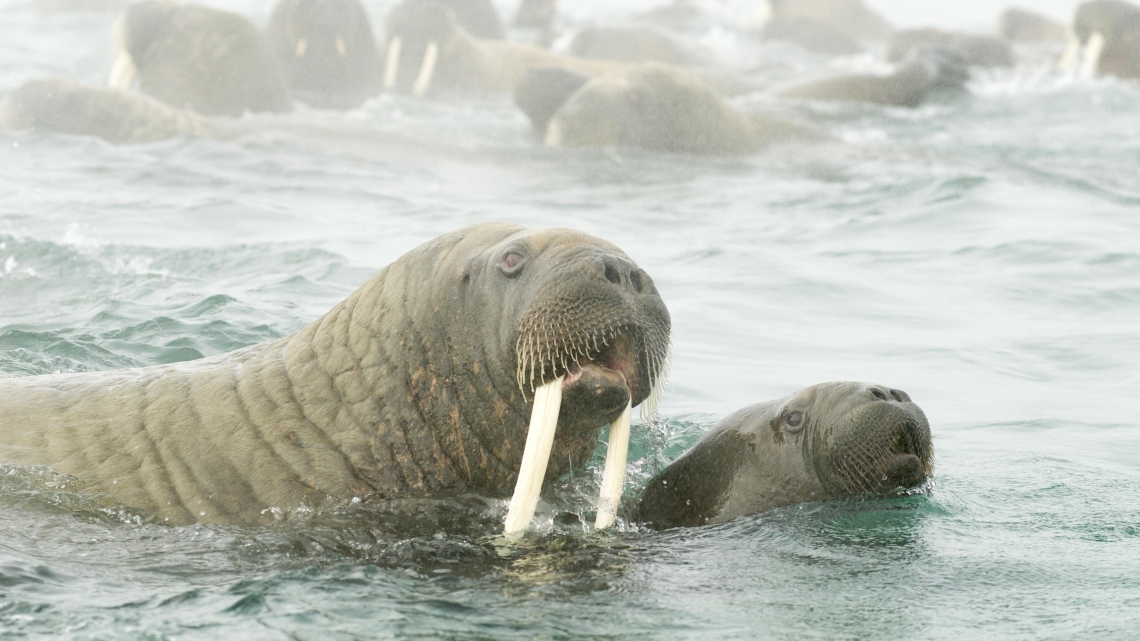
981, 252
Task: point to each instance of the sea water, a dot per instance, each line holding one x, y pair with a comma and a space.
981, 252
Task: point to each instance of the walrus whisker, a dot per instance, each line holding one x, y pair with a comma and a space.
536, 456
392, 62
613, 475
427, 70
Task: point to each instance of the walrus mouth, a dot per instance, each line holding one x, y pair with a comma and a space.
618, 364
897, 459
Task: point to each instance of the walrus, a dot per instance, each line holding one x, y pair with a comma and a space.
207, 60
420, 384
1022, 25
826, 441
633, 43
327, 51
925, 70
852, 17
810, 34
425, 48
65, 106
1108, 33
652, 106
976, 49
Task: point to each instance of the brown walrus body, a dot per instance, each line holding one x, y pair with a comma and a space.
418, 384
826, 441
65, 106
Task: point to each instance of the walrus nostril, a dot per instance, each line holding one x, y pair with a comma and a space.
900, 396
635, 280
878, 393
613, 274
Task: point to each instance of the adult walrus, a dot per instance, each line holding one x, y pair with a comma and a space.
327, 50
211, 61
1108, 33
65, 106
419, 384
826, 441
651, 106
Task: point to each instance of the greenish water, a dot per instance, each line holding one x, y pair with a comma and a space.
981, 253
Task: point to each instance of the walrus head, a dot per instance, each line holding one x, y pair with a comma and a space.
419, 45
327, 50
458, 336
1104, 39
826, 441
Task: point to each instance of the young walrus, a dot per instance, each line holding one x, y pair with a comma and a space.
210, 61
327, 51
826, 441
121, 117
420, 384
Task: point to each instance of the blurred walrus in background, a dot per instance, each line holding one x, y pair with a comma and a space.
827, 441
207, 60
477, 17
1022, 25
327, 51
652, 106
851, 17
425, 48
926, 70
810, 34
976, 50
420, 383
65, 106
634, 43
1108, 32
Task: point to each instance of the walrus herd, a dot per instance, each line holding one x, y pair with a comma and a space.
487, 360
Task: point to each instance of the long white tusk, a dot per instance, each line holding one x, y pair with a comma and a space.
1090, 62
613, 476
427, 70
536, 455
302, 45
392, 63
553, 137
1068, 61
122, 72
340, 48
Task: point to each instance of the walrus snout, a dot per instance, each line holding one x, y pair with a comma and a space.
883, 443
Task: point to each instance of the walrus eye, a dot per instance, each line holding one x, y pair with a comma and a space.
512, 263
795, 421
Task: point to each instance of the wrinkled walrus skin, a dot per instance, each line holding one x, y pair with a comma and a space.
418, 384
826, 441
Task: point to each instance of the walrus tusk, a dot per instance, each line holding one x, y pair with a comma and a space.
1090, 62
392, 63
536, 455
613, 476
122, 72
302, 45
427, 69
341, 50
1068, 60
553, 136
